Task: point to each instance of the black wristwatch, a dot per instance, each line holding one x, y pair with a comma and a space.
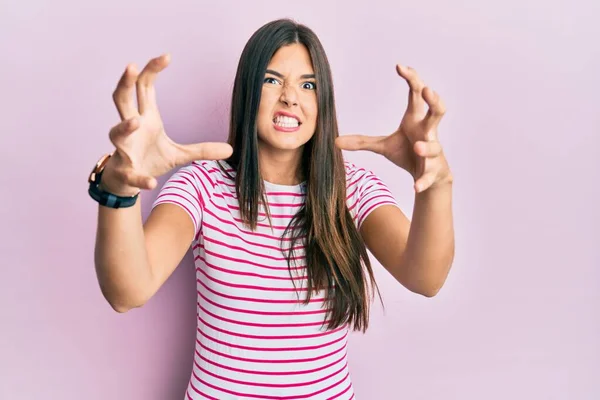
102, 197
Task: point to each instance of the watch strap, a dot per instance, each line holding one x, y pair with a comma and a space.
103, 197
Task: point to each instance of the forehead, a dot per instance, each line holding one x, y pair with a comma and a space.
293, 59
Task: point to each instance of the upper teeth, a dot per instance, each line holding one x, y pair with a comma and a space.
287, 122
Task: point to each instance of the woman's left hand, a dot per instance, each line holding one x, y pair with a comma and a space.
414, 146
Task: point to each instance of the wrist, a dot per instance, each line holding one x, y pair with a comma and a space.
117, 189
105, 194
110, 181
444, 182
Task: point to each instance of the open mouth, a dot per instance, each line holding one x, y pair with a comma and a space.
283, 121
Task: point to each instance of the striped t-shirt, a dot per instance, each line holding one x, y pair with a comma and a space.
255, 340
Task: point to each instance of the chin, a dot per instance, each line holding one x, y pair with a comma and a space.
285, 141
284, 145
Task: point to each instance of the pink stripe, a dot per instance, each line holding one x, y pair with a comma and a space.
355, 203
257, 325
286, 194
271, 204
232, 272
366, 213
232, 247
180, 204
248, 232
268, 289
256, 300
172, 193
201, 393
355, 181
352, 174
284, 337
203, 172
197, 177
268, 397
219, 170
226, 209
351, 194
368, 200
243, 311
263, 214
233, 235
273, 373
191, 178
222, 182
269, 385
248, 262
262, 361
239, 346
342, 393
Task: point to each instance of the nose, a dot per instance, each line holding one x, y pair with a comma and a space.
288, 96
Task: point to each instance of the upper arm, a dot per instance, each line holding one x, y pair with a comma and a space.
385, 233
174, 223
168, 232
381, 223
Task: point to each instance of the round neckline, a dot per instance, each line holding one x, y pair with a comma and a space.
280, 187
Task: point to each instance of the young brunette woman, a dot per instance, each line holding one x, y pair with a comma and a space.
278, 222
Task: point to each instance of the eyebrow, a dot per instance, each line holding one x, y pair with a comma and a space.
279, 75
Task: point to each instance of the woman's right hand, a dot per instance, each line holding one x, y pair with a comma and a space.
143, 149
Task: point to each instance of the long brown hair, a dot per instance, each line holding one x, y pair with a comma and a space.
336, 256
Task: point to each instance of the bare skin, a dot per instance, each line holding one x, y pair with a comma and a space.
133, 259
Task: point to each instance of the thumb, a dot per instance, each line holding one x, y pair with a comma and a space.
205, 151
375, 144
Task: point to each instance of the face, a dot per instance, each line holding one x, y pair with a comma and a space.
287, 114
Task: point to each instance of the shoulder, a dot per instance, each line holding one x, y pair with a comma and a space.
200, 179
211, 175
216, 172
358, 177
365, 192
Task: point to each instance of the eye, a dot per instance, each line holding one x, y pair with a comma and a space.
273, 81
309, 85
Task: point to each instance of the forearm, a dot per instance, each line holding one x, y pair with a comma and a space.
121, 257
430, 245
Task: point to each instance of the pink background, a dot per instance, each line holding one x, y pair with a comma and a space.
518, 317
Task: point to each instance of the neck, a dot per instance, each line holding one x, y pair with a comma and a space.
281, 167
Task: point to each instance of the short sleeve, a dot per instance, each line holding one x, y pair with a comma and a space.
186, 189
366, 193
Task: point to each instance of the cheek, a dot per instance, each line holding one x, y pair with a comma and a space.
311, 111
265, 108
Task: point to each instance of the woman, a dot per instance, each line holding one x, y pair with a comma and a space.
279, 286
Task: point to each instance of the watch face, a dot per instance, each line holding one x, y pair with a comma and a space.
98, 167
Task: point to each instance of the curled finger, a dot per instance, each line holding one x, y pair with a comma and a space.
123, 93
145, 83
123, 129
428, 149
436, 110
140, 181
416, 104
424, 182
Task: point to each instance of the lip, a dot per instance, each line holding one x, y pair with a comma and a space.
286, 114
